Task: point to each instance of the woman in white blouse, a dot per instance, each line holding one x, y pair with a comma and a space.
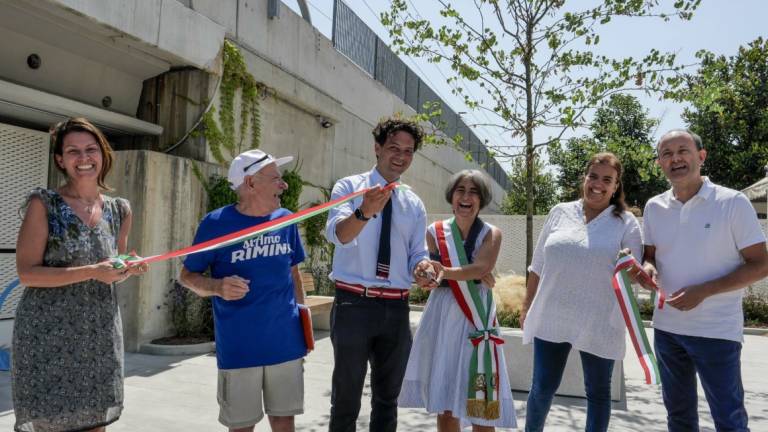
569, 298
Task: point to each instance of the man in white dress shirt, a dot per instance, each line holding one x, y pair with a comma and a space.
381, 247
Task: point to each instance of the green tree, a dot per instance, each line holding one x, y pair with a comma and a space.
622, 127
544, 188
729, 110
535, 61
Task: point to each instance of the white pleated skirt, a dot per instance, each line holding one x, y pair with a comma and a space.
438, 367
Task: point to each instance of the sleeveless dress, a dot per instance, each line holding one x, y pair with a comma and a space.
436, 375
67, 366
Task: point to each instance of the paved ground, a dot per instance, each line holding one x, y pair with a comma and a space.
179, 394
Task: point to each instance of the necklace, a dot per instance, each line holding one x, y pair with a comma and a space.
88, 207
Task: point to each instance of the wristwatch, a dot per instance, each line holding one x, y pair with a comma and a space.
360, 216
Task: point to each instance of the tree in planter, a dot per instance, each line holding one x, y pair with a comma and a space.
535, 62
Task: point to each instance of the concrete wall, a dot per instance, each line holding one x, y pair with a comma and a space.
308, 78
167, 25
90, 50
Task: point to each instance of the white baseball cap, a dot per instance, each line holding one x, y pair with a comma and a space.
249, 163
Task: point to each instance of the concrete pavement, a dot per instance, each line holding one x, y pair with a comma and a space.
179, 394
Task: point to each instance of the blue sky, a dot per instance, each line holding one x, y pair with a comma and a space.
719, 26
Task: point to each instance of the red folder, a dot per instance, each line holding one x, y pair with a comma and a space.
306, 323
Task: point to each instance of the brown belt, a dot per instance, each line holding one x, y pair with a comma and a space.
373, 292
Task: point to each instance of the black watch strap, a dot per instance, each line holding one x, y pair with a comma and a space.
360, 216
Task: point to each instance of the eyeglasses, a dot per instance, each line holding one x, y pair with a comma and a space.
261, 159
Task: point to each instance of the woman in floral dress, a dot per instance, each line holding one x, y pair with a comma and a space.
67, 366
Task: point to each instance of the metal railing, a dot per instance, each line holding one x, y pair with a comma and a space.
353, 38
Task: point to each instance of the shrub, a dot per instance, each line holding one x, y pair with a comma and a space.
755, 310
508, 318
418, 296
646, 309
191, 315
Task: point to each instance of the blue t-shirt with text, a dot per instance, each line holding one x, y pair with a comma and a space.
263, 328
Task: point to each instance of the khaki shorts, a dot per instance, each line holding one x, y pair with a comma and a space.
240, 393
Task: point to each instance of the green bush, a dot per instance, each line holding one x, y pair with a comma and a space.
319, 253
755, 310
646, 309
508, 318
290, 197
191, 315
418, 296
219, 192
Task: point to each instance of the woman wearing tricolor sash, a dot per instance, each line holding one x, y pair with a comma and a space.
570, 302
456, 367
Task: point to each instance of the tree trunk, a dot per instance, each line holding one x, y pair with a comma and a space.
529, 154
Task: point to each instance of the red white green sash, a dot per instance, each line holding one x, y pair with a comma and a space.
622, 286
483, 385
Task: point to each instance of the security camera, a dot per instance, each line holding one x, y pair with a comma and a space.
324, 122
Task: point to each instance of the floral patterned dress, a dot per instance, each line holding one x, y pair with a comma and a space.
67, 358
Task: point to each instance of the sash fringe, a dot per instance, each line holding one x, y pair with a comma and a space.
484, 409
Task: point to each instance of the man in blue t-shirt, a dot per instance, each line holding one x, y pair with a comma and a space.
255, 287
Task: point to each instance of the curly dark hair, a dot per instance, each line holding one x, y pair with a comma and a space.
392, 125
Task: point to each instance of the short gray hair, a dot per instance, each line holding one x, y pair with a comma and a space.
478, 178
675, 132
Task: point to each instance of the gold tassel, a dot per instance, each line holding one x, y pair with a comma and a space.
480, 408
476, 408
492, 409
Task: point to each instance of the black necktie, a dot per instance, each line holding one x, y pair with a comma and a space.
382, 263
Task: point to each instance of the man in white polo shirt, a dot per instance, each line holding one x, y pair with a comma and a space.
707, 245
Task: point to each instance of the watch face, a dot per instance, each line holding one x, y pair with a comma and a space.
359, 215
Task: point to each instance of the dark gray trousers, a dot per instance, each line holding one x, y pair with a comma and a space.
368, 330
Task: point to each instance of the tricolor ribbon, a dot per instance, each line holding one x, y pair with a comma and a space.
622, 286
627, 262
483, 379
260, 229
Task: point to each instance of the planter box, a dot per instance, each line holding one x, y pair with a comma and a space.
178, 350
321, 311
520, 368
